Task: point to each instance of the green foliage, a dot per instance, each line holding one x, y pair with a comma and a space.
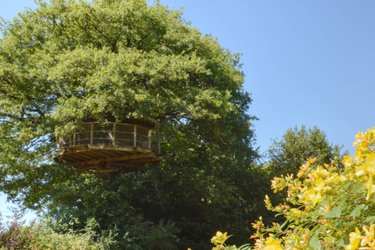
45, 236
219, 240
16, 236
146, 235
298, 145
70, 60
326, 207
287, 155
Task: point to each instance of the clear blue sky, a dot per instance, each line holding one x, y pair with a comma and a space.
306, 62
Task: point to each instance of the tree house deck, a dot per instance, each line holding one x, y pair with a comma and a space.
114, 147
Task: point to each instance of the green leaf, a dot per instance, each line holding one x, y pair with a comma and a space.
357, 211
357, 187
315, 242
334, 213
245, 247
370, 219
341, 242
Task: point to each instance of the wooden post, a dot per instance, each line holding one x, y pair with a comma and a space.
135, 136
74, 138
149, 141
114, 134
91, 133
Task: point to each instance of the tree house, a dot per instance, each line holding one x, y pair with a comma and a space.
113, 147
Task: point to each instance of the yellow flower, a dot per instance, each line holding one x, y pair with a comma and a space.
278, 184
321, 172
219, 238
355, 239
305, 167
311, 197
370, 187
369, 164
348, 161
268, 203
335, 179
296, 212
272, 244
320, 185
369, 238
258, 224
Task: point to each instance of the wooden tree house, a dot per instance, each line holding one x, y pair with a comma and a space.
113, 147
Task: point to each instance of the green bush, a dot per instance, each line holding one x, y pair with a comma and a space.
44, 235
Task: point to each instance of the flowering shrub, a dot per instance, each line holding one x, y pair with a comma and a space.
219, 241
326, 207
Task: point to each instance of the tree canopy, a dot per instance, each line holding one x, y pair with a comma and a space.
107, 60
296, 146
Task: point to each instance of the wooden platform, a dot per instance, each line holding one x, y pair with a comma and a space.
102, 150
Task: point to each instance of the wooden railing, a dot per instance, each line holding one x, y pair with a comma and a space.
115, 134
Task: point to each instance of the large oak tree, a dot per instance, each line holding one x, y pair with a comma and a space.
68, 60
